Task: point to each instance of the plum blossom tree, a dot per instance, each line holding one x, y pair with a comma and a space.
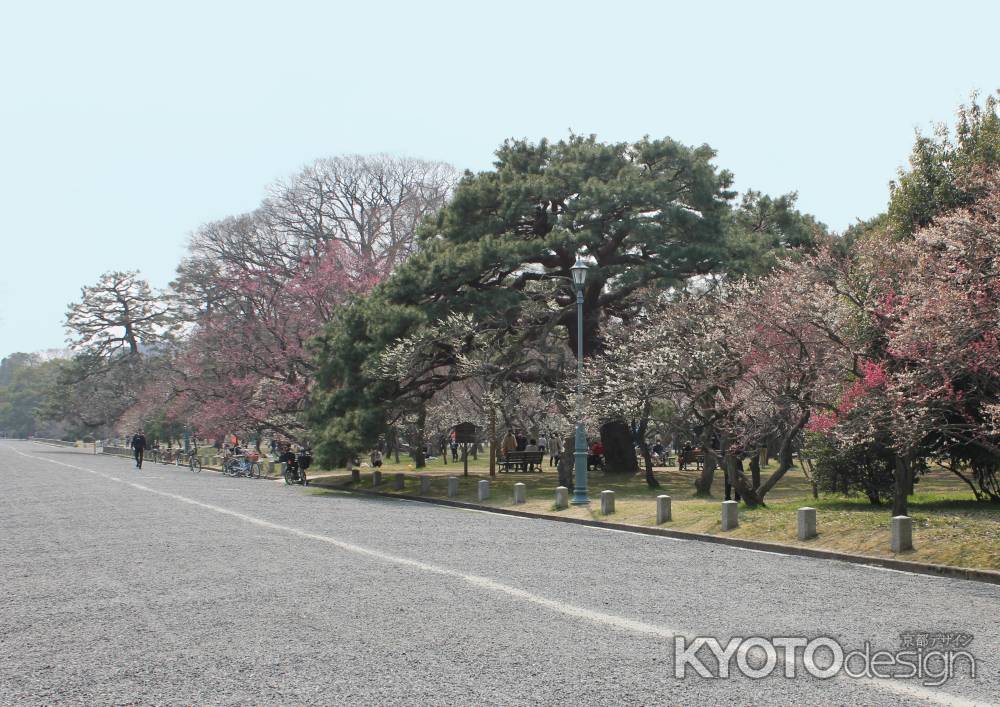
943, 381
255, 288
247, 365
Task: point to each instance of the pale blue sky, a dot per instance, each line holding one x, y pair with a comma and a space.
123, 126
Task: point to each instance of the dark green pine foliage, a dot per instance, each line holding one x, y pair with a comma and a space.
763, 228
647, 213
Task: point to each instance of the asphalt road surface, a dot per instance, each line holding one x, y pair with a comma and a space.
163, 586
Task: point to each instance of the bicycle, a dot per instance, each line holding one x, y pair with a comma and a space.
241, 465
191, 460
295, 470
166, 456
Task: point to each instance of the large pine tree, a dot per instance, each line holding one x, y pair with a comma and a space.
649, 213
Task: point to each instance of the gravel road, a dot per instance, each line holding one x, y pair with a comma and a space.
163, 586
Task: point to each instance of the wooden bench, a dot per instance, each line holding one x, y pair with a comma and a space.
521, 461
697, 458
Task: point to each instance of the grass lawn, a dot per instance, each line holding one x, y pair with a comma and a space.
950, 527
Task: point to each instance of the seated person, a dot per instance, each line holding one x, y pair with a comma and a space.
596, 455
685, 457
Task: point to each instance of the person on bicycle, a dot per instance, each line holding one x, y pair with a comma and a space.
138, 448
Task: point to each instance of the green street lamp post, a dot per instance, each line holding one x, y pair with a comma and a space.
579, 271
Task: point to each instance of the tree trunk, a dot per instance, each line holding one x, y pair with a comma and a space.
703, 484
420, 445
644, 446
755, 472
648, 461
743, 487
493, 442
785, 460
902, 487
567, 462
619, 451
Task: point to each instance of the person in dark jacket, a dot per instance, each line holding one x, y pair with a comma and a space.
139, 448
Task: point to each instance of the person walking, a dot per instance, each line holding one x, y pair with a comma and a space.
138, 448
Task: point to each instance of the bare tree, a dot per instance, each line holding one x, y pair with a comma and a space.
115, 316
371, 204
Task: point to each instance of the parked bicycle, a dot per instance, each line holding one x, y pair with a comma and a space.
190, 459
296, 465
242, 465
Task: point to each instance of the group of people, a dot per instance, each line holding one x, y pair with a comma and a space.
519, 442
299, 459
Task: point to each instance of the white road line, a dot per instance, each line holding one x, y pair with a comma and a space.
765, 552
618, 622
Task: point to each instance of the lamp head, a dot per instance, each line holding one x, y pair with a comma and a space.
579, 271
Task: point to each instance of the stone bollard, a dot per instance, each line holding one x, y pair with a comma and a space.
663, 509
520, 493
807, 523
484, 490
902, 533
355, 476
607, 502
398, 481
425, 484
730, 515
452, 486
376, 478
562, 498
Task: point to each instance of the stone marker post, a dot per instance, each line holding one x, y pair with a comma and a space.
520, 493
730, 515
398, 481
562, 498
376, 478
607, 502
807, 523
484, 489
425, 484
452, 486
663, 509
902, 533
356, 475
